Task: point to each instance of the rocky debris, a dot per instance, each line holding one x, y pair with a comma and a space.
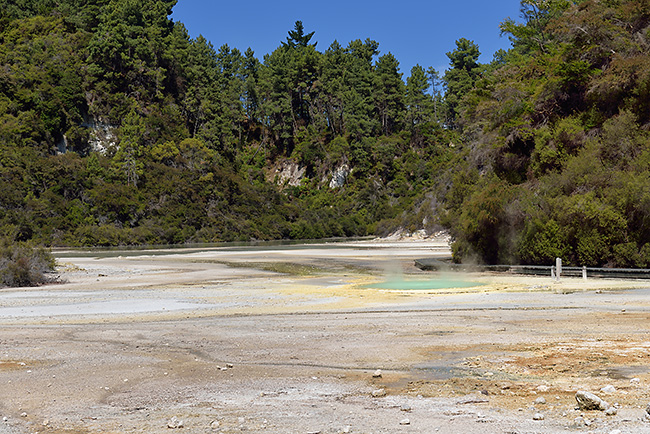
505, 386
541, 400
608, 389
378, 393
377, 374
405, 422
473, 399
538, 416
175, 423
405, 407
580, 422
635, 380
589, 401
611, 411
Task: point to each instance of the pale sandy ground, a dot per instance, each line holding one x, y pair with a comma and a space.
286, 340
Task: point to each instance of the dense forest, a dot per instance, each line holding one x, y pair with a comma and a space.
117, 128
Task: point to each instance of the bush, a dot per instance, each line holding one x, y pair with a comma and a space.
25, 265
484, 226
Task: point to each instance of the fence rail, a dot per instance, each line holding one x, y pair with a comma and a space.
431, 264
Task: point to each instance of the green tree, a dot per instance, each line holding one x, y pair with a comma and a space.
436, 95
223, 129
128, 54
298, 38
199, 98
130, 148
288, 84
389, 94
358, 88
461, 77
418, 103
251, 97
332, 78
484, 232
532, 35
41, 92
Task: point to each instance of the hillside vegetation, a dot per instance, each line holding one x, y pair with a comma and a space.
118, 128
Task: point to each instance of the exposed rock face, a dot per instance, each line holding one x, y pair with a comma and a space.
339, 176
589, 401
102, 135
62, 146
289, 174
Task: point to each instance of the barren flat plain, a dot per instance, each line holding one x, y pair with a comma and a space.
307, 339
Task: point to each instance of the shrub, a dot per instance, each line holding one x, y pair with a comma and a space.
483, 225
25, 265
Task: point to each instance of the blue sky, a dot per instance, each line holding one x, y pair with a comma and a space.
416, 32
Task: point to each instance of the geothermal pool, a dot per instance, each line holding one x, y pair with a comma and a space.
400, 283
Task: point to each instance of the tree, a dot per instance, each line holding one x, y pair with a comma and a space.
130, 148
532, 35
333, 72
298, 38
199, 98
436, 81
484, 227
41, 83
389, 93
250, 75
288, 84
127, 54
461, 77
358, 88
225, 126
418, 103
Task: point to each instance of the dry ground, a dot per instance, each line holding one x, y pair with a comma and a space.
286, 340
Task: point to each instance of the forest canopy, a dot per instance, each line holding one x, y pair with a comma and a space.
117, 128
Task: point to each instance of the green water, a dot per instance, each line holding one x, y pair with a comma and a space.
440, 282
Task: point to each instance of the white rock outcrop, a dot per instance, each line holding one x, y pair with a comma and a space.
339, 176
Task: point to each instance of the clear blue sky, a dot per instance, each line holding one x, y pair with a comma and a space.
416, 32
